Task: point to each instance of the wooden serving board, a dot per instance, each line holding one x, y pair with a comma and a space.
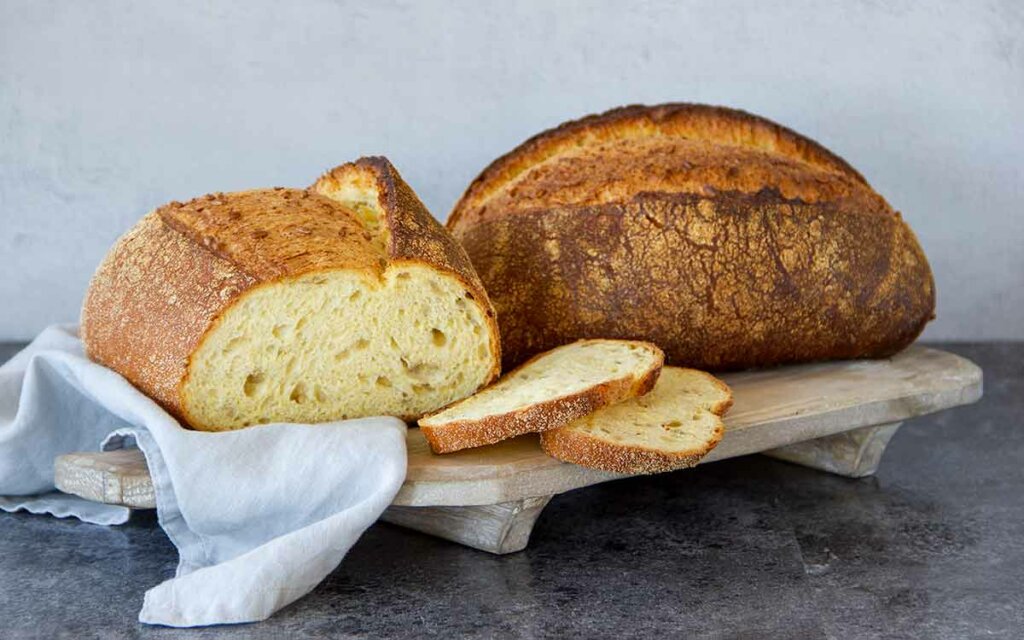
834, 416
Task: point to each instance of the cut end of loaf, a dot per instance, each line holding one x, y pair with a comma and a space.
547, 392
672, 427
340, 344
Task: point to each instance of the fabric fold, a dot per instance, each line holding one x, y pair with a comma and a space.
259, 516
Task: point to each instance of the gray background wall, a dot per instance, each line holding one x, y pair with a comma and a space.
108, 109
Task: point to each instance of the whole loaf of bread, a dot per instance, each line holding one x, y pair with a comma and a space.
343, 300
726, 239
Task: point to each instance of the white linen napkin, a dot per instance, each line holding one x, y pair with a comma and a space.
259, 516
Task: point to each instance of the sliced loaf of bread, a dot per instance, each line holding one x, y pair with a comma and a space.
672, 427
548, 391
286, 305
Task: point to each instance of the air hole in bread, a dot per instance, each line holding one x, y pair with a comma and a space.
252, 384
383, 381
278, 331
235, 343
298, 394
419, 371
361, 344
438, 337
354, 296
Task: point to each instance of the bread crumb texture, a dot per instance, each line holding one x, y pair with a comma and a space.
672, 427
338, 345
724, 238
291, 305
549, 391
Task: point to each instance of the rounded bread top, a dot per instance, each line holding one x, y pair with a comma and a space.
675, 148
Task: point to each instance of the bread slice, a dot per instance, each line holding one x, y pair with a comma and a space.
286, 305
547, 392
672, 427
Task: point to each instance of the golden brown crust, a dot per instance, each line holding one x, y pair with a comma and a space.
150, 303
620, 170
578, 447
275, 233
726, 282
162, 287
722, 237
541, 416
569, 445
717, 125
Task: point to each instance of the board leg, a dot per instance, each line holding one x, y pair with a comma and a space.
854, 454
498, 528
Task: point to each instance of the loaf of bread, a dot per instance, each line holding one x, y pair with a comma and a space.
343, 300
672, 427
549, 391
726, 239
